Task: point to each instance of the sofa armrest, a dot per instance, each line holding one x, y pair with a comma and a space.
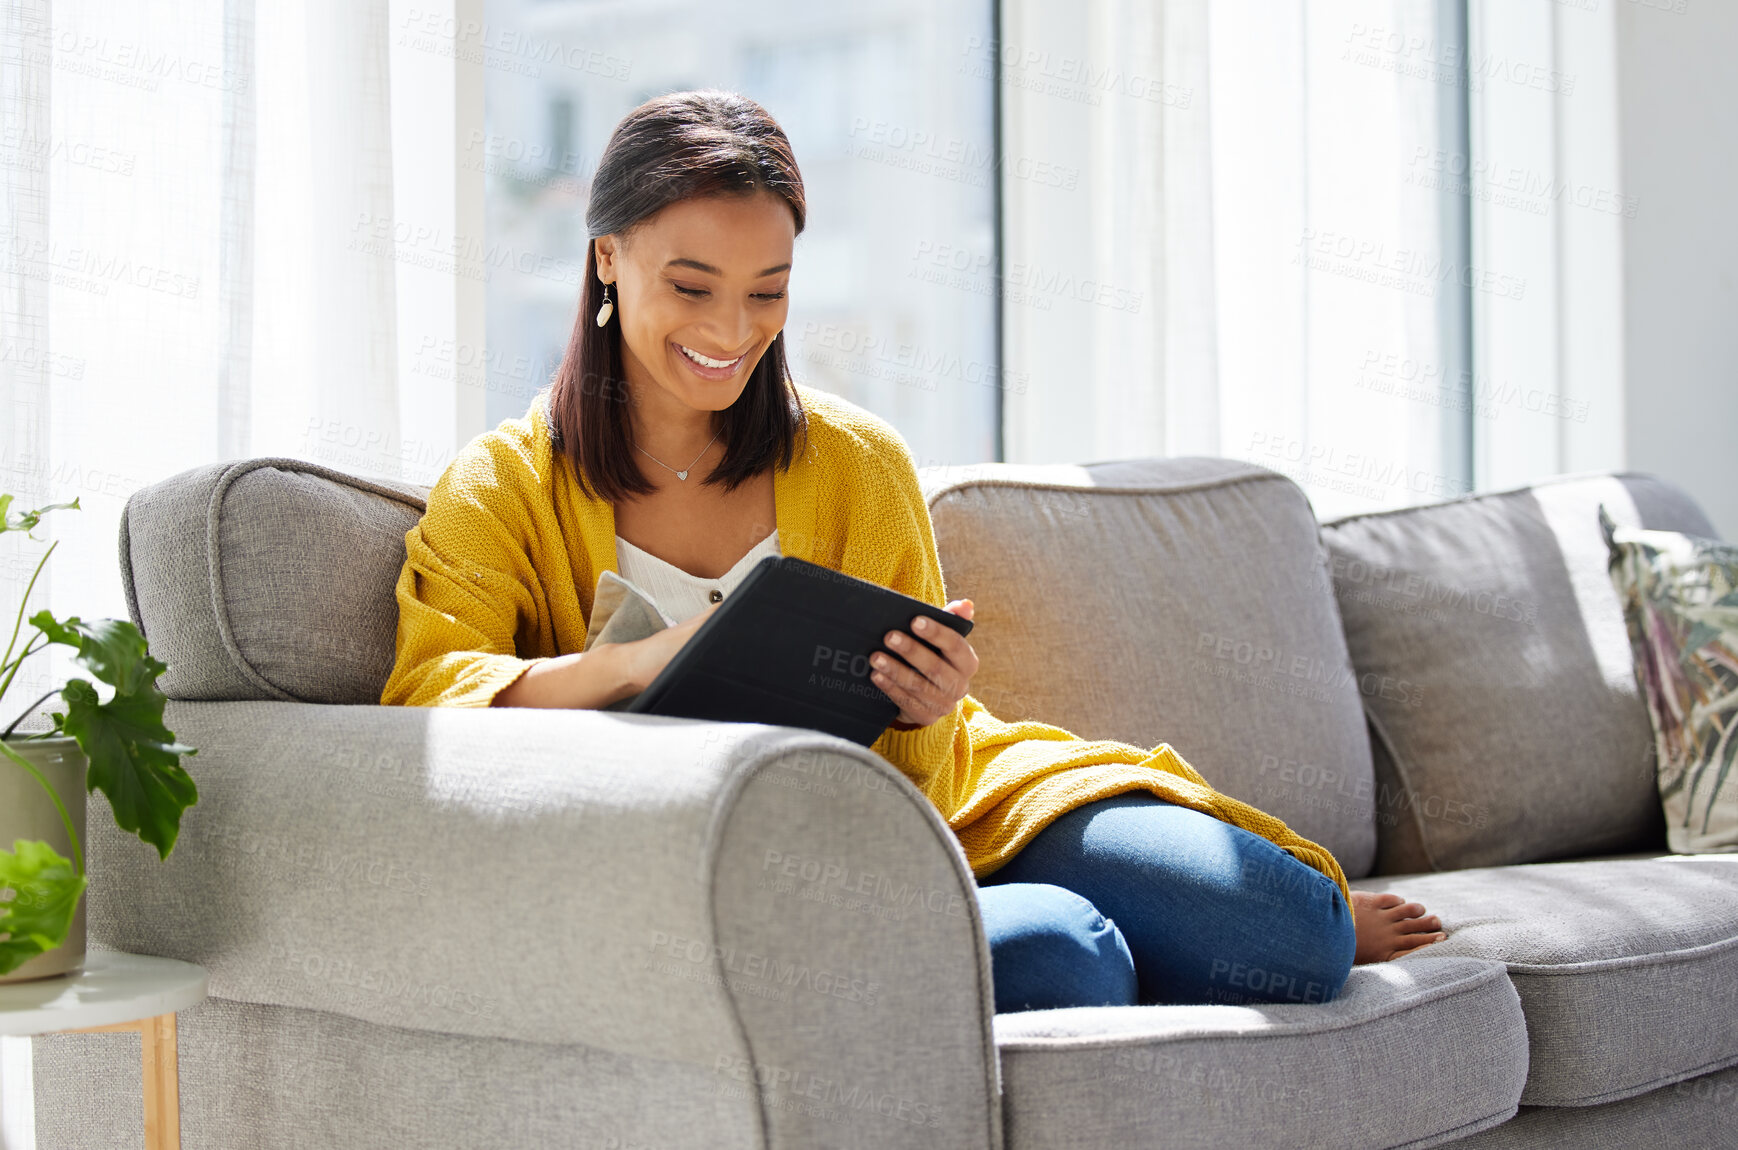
777, 906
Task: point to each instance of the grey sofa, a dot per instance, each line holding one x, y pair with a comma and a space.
518, 928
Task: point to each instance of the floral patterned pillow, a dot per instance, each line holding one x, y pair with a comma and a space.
1680, 602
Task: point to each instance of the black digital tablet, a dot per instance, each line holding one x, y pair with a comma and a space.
791, 646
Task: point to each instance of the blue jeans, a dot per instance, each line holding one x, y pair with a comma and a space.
1132, 900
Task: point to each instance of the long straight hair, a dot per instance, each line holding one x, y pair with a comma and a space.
672, 148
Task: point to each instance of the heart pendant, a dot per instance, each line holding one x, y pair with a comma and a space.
681, 475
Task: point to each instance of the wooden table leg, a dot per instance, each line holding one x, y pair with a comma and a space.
162, 1083
160, 1074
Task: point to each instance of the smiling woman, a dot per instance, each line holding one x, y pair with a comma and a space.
676, 370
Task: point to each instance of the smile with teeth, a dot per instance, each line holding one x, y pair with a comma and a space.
708, 361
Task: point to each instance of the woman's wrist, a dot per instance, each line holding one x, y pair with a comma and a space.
615, 673
574, 681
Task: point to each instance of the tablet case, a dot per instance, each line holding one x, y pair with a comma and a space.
790, 646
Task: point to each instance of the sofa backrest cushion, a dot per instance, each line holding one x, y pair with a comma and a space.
1180, 601
268, 579
1521, 736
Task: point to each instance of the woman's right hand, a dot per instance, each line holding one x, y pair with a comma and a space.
645, 658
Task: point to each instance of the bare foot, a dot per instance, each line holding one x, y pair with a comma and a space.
1388, 926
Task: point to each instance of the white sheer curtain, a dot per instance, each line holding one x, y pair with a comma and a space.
323, 371
215, 234
1549, 204
1248, 179
1092, 264
1340, 310
1290, 245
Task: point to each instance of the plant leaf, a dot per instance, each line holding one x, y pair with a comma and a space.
111, 649
133, 759
46, 891
27, 520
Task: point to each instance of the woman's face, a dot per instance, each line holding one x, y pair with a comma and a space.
704, 278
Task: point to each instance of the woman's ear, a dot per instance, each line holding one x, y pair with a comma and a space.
606, 258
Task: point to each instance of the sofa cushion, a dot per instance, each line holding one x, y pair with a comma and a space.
1406, 1055
1680, 601
1522, 736
1696, 1112
1179, 601
268, 578
1625, 966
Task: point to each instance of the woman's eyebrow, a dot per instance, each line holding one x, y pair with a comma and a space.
682, 262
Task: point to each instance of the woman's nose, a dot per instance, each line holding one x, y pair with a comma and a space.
732, 327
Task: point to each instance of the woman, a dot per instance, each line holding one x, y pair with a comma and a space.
673, 447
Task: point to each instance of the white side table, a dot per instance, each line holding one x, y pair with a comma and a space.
116, 992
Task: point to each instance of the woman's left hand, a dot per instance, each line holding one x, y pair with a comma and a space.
926, 685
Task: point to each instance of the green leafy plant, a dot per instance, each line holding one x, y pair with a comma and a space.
133, 758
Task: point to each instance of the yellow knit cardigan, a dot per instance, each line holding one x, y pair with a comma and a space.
499, 574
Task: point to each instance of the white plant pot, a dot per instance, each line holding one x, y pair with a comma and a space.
26, 812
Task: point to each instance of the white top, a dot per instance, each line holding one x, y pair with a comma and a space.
113, 987
679, 595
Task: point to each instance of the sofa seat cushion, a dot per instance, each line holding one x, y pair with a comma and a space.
1626, 967
1694, 1113
1409, 1054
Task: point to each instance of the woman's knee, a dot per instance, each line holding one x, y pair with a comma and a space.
1220, 914
1339, 944
1050, 947
1310, 964
1325, 943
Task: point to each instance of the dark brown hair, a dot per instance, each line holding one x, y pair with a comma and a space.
671, 148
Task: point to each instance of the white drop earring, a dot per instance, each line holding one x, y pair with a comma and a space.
608, 308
